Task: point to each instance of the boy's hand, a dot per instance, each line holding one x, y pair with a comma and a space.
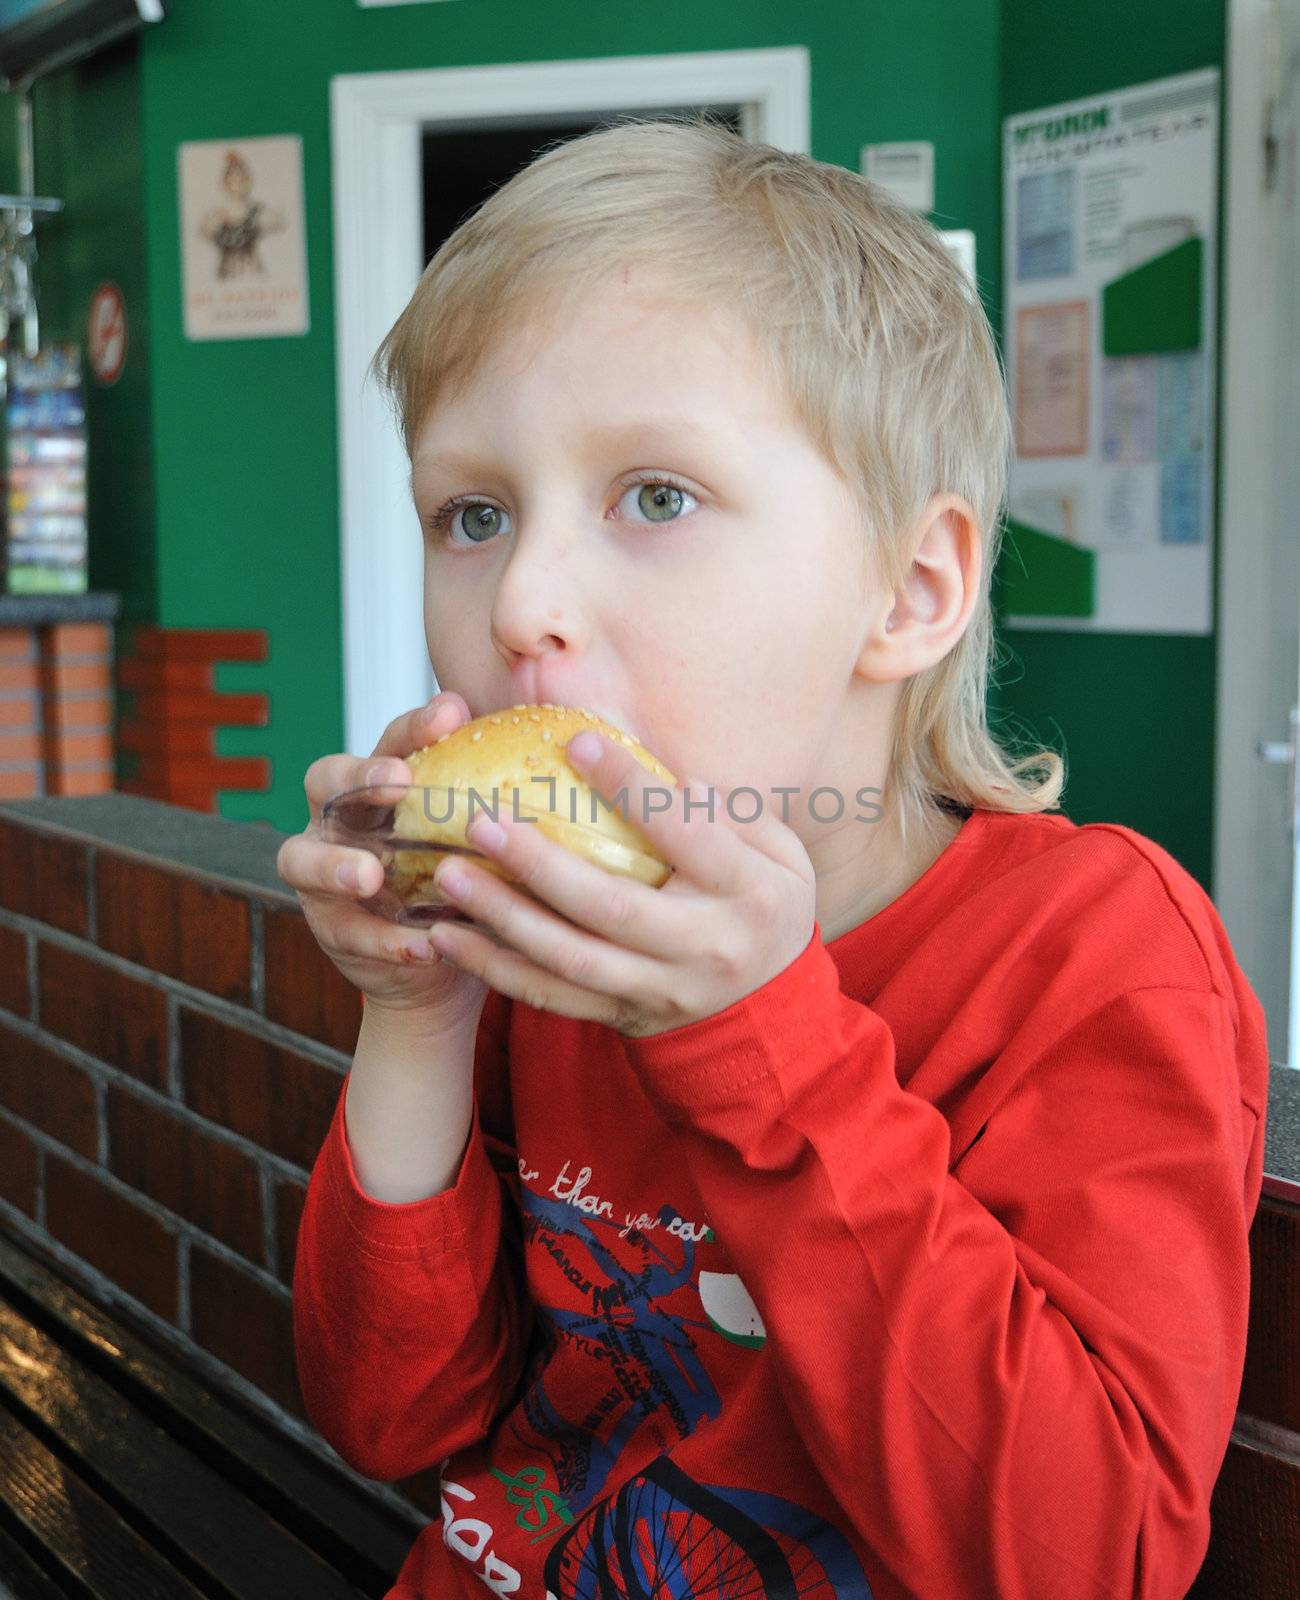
391, 965
738, 909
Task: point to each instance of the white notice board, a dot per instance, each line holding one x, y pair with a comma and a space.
1110, 213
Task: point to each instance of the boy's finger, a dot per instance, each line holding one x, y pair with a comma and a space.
756, 819
414, 729
474, 950
332, 775
308, 865
694, 838
543, 873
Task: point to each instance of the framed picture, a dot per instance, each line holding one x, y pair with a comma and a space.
243, 250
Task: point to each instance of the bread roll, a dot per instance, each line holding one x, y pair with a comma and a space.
497, 756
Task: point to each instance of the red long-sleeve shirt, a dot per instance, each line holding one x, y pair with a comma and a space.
920, 1271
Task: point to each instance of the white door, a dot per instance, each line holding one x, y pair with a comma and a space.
1286, 498
1283, 140
1257, 819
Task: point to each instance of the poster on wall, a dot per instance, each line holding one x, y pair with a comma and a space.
243, 238
1110, 214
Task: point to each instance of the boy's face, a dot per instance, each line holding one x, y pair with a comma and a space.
722, 626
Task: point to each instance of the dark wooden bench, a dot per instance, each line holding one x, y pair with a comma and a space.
1254, 1549
124, 1477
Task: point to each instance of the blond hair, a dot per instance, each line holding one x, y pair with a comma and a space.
861, 314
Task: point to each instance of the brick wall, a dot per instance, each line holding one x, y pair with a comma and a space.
172, 1047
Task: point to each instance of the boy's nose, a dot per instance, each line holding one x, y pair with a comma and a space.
521, 665
537, 607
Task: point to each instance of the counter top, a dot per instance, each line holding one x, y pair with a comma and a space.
209, 846
244, 853
36, 610
1282, 1135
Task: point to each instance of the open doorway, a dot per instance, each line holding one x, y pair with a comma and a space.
413, 152
462, 169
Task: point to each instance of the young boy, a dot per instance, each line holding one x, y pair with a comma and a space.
864, 1212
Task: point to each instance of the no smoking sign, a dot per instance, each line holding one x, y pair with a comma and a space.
106, 333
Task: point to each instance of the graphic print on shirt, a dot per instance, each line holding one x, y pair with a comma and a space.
663, 1536
602, 1286
728, 1307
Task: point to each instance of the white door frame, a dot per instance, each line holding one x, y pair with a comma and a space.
376, 123
1252, 883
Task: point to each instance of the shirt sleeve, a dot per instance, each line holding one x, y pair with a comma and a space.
410, 1321
1018, 1376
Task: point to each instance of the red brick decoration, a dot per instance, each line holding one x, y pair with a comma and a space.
176, 710
56, 709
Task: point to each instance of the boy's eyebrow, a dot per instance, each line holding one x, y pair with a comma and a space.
672, 432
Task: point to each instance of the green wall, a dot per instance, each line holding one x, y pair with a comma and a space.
214, 465
1133, 713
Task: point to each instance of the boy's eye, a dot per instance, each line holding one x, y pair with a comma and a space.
481, 519
659, 499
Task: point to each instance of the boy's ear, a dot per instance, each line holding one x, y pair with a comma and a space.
911, 628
